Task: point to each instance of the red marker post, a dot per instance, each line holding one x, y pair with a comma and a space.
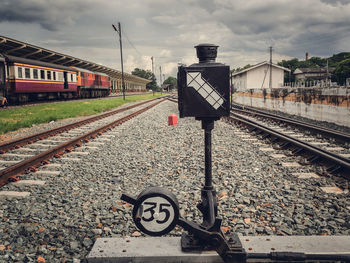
172, 120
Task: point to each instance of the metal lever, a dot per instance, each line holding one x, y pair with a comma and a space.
128, 199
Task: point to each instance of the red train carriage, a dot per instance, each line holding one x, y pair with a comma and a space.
3, 99
30, 80
92, 84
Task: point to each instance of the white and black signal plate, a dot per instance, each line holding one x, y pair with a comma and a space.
156, 211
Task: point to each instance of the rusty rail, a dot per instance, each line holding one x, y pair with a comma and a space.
341, 136
35, 161
339, 160
16, 143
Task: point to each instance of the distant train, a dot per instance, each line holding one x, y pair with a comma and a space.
23, 80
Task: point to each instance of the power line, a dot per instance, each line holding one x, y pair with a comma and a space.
131, 44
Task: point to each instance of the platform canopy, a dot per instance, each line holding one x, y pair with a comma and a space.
9, 46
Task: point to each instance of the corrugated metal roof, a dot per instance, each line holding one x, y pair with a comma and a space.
38, 63
313, 70
259, 65
20, 49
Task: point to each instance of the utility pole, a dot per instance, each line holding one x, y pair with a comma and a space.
152, 65
270, 83
327, 74
119, 30
160, 74
160, 79
153, 74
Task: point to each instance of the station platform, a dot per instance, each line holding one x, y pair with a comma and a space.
168, 249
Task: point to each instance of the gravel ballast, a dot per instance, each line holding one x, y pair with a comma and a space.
257, 195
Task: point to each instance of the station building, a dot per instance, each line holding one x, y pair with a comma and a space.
258, 77
16, 48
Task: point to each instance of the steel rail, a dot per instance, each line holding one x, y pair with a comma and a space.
173, 100
334, 158
329, 132
37, 160
16, 143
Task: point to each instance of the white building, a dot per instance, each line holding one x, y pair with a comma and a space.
258, 77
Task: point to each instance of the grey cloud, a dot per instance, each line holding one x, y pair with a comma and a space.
49, 14
243, 29
336, 2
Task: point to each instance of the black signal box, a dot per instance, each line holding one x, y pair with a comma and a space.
204, 87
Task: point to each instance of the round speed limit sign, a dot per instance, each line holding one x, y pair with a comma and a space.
156, 211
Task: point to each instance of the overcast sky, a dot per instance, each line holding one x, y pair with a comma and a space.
169, 29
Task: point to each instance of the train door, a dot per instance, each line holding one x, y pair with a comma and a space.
2, 81
65, 76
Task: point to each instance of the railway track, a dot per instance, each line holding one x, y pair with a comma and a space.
334, 157
53, 143
32, 103
320, 144
340, 137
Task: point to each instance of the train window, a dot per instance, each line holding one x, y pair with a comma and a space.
71, 77
35, 74
42, 74
27, 73
20, 74
54, 75
48, 74
60, 76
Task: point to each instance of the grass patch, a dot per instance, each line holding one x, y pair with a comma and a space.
14, 119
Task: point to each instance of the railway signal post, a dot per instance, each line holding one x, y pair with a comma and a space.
204, 93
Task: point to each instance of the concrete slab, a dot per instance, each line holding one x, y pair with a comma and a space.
90, 148
23, 149
61, 138
291, 164
48, 141
70, 159
17, 155
103, 139
335, 149
267, 149
258, 143
14, 194
108, 135
249, 139
7, 162
307, 139
298, 135
79, 153
278, 155
47, 172
346, 155
319, 143
168, 249
51, 166
245, 136
95, 143
289, 133
37, 145
332, 190
29, 182
306, 175
147, 250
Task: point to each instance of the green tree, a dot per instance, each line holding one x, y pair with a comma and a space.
334, 60
342, 71
146, 74
172, 82
239, 68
